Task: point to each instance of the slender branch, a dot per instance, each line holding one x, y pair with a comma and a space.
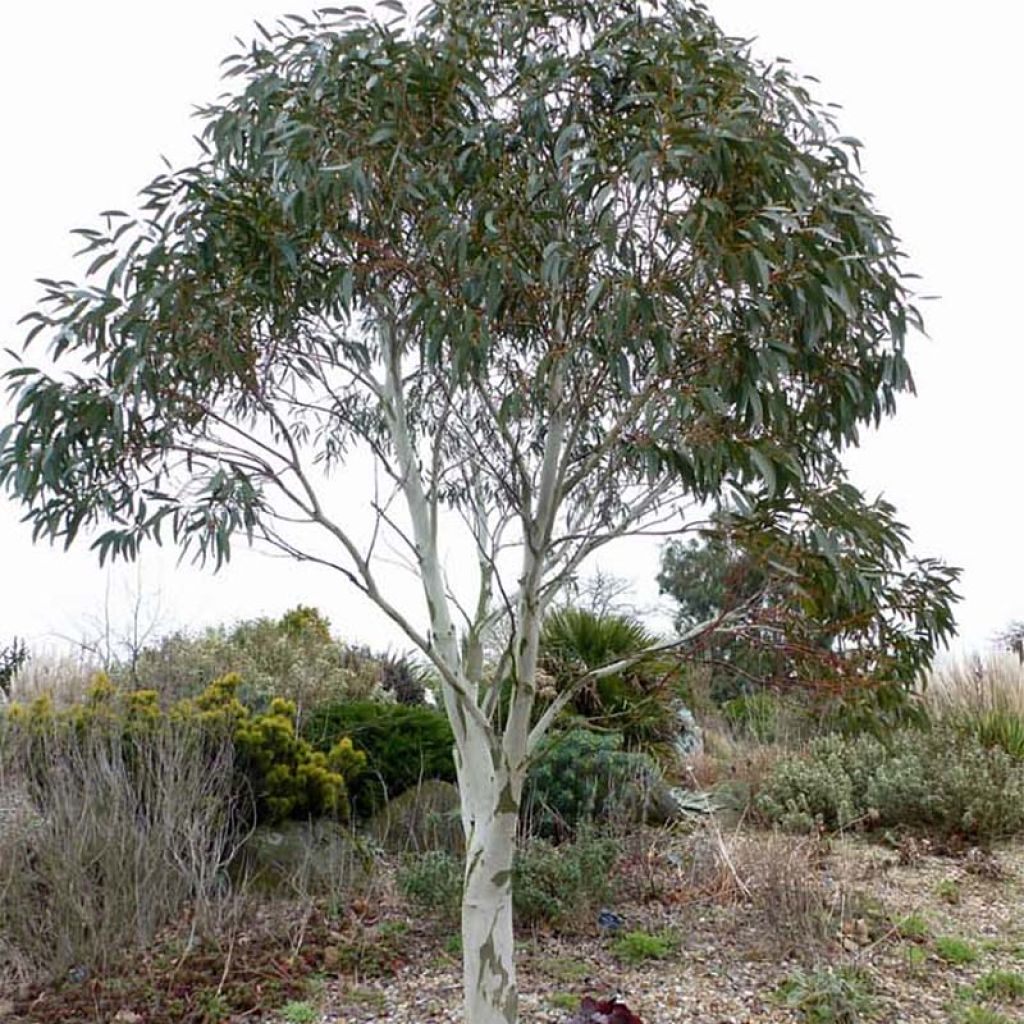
443, 649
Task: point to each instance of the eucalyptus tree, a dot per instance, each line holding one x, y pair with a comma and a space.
563, 269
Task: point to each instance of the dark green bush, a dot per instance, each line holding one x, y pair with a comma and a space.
940, 780
558, 885
581, 776
578, 775
404, 744
562, 885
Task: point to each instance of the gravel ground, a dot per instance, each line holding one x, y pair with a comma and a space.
729, 965
739, 932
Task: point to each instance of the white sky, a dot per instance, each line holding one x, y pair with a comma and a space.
94, 92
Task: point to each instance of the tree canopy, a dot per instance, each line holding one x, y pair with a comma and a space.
565, 270
515, 202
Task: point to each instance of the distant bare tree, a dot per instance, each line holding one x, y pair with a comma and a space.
1012, 639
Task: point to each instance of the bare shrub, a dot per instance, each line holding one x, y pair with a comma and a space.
734, 770
782, 878
124, 831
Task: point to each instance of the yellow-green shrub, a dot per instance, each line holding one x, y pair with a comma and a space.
282, 773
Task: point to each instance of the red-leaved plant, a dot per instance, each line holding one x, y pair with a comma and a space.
608, 1011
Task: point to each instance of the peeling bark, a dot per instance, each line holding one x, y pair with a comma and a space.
490, 811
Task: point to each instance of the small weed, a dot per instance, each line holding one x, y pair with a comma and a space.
913, 926
828, 997
974, 1014
375, 952
453, 944
917, 957
565, 969
298, 1013
1005, 986
215, 1008
369, 997
392, 929
948, 890
636, 947
564, 1000
955, 950
316, 984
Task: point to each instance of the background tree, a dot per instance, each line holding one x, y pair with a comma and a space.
1012, 639
706, 577
562, 270
809, 630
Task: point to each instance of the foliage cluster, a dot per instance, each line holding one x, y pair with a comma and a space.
809, 626
12, 657
941, 779
754, 715
294, 656
280, 772
562, 885
841, 996
603, 1011
981, 698
1007, 986
636, 947
580, 776
956, 950
638, 702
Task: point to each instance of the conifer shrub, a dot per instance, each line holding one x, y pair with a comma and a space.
404, 746
940, 780
578, 775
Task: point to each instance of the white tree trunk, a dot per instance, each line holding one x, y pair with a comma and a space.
490, 813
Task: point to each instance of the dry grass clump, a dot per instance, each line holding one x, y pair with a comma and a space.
977, 686
734, 770
62, 676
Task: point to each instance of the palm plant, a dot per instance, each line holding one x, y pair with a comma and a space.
639, 702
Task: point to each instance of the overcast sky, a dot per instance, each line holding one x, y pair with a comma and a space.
95, 92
